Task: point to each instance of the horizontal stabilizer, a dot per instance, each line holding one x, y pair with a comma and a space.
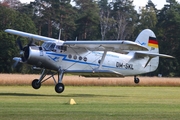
95, 73
152, 55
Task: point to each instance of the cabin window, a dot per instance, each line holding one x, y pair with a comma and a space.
62, 47
75, 57
85, 58
58, 47
70, 56
80, 58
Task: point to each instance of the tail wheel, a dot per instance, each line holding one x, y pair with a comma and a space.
36, 84
59, 88
136, 80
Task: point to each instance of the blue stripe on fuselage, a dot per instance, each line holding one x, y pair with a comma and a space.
81, 62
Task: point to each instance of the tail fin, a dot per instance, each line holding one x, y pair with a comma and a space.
148, 60
147, 38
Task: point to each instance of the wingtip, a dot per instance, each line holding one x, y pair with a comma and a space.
7, 30
169, 56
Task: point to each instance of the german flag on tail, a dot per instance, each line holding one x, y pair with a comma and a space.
153, 42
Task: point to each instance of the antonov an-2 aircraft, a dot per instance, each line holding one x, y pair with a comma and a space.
90, 58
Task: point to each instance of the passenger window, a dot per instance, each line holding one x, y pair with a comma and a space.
70, 56
80, 58
58, 47
85, 59
75, 57
62, 48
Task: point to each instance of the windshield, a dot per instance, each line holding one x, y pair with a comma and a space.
48, 46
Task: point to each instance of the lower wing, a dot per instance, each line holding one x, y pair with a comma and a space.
95, 73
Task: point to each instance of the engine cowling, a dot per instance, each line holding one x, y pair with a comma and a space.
36, 56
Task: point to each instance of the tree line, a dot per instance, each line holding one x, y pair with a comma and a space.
90, 20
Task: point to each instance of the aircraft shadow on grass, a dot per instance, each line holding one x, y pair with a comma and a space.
68, 95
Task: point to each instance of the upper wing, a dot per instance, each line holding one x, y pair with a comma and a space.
29, 35
116, 46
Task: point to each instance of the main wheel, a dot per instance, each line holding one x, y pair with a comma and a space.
59, 88
136, 80
36, 84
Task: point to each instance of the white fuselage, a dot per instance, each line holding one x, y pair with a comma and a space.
83, 59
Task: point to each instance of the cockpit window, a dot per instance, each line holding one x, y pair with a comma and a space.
52, 46
48, 46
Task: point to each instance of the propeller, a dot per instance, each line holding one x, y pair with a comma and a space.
17, 60
18, 41
23, 51
31, 43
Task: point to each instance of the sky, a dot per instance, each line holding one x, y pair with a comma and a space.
138, 3
159, 3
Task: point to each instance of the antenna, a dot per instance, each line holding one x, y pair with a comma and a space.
76, 39
59, 34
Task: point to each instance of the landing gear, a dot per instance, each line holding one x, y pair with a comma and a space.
136, 80
36, 84
59, 87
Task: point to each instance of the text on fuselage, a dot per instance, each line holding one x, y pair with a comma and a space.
124, 65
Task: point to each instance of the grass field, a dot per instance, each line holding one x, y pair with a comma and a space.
97, 99
93, 102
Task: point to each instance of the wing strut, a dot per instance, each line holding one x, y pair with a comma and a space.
148, 61
102, 59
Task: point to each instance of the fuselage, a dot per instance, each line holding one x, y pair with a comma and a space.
83, 59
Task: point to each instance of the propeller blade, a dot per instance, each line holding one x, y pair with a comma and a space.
31, 42
15, 64
19, 43
17, 60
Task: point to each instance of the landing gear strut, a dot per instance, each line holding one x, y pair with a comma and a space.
136, 80
59, 87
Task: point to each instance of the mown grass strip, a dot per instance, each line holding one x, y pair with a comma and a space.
23, 102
